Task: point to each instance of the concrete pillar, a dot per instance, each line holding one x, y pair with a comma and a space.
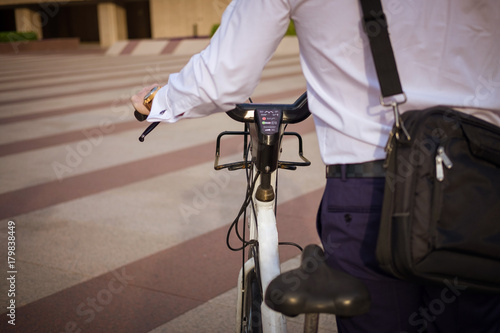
186, 18
122, 22
112, 21
28, 20
166, 20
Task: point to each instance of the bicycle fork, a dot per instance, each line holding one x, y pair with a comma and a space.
268, 263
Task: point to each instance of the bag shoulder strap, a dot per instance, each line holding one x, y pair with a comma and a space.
375, 25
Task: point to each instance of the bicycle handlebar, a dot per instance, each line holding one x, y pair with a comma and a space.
292, 113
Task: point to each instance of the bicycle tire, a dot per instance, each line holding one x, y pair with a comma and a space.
252, 319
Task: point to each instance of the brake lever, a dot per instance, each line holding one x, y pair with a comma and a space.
148, 130
141, 117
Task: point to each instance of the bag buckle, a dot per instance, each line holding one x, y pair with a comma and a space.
395, 102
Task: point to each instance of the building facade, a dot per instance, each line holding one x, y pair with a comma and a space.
109, 21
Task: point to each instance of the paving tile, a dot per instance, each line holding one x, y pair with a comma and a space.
163, 228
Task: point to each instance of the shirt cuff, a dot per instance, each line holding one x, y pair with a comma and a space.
160, 110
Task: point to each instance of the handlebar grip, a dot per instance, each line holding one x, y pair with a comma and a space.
139, 116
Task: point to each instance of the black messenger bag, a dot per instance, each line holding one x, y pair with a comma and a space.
441, 210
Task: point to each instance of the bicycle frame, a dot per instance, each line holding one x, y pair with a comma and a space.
265, 124
266, 234
266, 129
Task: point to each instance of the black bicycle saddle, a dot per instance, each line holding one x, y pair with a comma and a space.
315, 287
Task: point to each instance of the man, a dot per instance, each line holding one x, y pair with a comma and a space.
447, 51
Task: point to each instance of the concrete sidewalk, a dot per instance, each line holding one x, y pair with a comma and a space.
114, 235
288, 46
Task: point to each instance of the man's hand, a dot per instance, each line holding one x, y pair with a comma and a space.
138, 99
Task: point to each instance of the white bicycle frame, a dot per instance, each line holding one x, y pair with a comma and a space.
263, 229
262, 218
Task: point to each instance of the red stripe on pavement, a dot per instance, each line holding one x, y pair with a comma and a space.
111, 67
74, 93
111, 87
64, 111
129, 48
171, 46
59, 139
35, 197
118, 102
78, 80
150, 292
72, 72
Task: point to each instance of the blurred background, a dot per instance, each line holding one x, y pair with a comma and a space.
105, 22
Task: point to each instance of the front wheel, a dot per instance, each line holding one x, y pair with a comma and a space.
252, 319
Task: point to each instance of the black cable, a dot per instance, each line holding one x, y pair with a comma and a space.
248, 199
249, 174
292, 244
276, 184
255, 254
249, 193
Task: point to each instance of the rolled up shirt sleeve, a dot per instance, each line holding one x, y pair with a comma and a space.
229, 69
160, 110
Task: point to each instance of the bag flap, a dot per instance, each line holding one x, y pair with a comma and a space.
484, 142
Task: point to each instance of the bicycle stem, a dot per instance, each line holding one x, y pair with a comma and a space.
265, 191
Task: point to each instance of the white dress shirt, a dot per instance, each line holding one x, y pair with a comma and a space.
447, 51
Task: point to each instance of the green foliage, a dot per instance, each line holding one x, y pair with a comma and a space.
289, 32
214, 29
13, 36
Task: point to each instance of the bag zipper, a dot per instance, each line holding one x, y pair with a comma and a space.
442, 159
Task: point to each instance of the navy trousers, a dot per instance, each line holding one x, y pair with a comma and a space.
348, 223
